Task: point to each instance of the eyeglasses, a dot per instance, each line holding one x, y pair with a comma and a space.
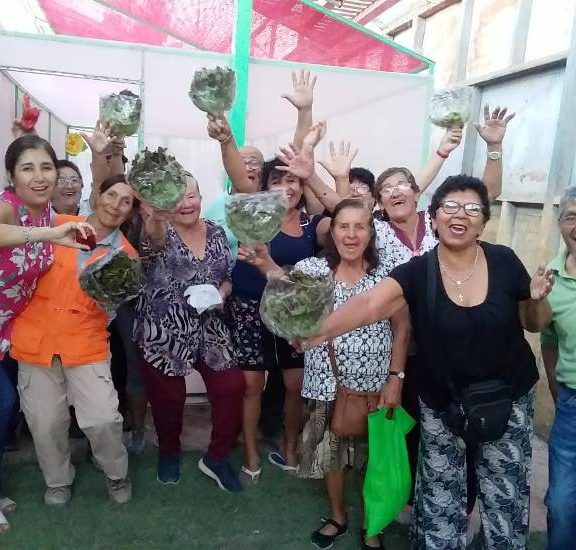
74, 182
389, 189
568, 220
473, 209
255, 164
360, 189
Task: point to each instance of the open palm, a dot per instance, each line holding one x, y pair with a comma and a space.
302, 95
493, 128
101, 137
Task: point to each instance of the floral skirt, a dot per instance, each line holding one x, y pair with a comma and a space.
322, 451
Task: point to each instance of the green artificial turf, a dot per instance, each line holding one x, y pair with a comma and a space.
277, 514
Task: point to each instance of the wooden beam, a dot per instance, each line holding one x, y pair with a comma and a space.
471, 135
438, 7
419, 26
562, 161
373, 11
521, 29
464, 44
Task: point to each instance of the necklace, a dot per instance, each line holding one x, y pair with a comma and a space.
460, 282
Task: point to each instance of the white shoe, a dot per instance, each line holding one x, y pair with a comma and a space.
4, 525
7, 505
58, 496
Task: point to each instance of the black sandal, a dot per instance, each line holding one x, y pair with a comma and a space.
366, 547
320, 540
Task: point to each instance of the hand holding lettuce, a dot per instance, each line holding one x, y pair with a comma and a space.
122, 112
256, 217
213, 90
296, 304
158, 178
450, 108
111, 280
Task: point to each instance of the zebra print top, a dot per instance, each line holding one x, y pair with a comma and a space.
172, 335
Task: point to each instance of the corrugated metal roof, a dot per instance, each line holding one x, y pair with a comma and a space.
348, 8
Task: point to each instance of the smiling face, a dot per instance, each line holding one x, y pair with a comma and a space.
351, 232
460, 229
397, 197
67, 192
187, 211
289, 182
568, 227
34, 177
360, 190
114, 206
253, 160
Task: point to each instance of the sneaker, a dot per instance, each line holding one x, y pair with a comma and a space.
58, 496
222, 473
120, 490
7, 505
168, 471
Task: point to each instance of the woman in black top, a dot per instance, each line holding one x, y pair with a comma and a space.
468, 317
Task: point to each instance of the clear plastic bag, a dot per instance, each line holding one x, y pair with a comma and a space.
296, 304
203, 297
158, 178
213, 90
112, 279
256, 218
122, 111
450, 108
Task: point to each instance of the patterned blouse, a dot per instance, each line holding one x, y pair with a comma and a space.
362, 356
396, 248
20, 267
171, 333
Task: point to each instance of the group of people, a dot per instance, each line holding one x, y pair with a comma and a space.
425, 313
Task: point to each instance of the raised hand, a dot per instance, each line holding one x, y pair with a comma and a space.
341, 158
299, 163
101, 137
450, 140
541, 283
219, 128
315, 134
117, 146
302, 95
493, 130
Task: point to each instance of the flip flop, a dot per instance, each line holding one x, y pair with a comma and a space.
4, 525
250, 477
279, 461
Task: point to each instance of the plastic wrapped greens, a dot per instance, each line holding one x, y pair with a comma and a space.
158, 178
296, 304
111, 280
256, 217
122, 111
213, 90
451, 108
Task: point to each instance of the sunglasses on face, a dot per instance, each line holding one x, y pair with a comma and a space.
472, 209
389, 189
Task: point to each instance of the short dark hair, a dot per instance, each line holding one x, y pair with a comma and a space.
391, 172
364, 176
460, 183
63, 163
370, 254
20, 145
271, 166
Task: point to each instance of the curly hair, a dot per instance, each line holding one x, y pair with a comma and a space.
460, 183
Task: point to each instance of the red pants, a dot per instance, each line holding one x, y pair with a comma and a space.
167, 396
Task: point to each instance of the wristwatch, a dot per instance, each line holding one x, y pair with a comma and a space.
495, 155
401, 375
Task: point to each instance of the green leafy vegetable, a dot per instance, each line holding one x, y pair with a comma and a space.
213, 90
122, 111
295, 305
158, 178
450, 108
256, 217
111, 280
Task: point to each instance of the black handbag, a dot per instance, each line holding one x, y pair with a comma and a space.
480, 411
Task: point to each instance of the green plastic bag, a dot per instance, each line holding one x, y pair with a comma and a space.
388, 480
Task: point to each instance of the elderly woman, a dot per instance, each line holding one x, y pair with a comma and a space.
368, 359
182, 250
25, 252
470, 302
559, 355
61, 343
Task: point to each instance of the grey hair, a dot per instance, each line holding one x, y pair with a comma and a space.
568, 197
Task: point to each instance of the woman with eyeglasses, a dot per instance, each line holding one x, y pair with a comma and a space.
68, 189
470, 302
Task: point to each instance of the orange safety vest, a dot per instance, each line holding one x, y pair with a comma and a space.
61, 319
